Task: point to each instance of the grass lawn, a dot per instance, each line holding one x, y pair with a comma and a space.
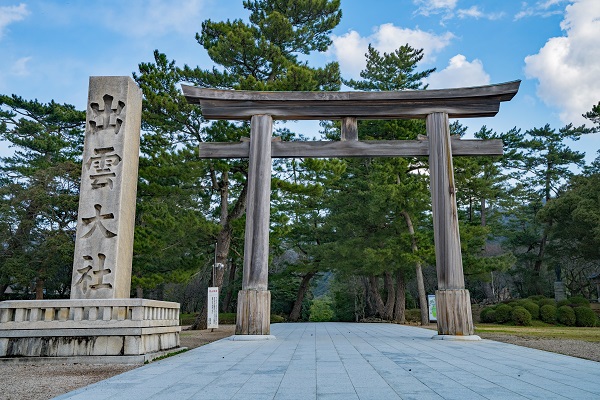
541, 330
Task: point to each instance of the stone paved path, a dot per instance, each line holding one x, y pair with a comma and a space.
354, 361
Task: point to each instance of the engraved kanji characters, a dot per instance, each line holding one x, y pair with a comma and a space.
102, 163
106, 119
95, 222
91, 277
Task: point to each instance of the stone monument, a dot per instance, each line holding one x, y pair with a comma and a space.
99, 323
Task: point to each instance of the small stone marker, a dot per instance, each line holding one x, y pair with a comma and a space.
104, 241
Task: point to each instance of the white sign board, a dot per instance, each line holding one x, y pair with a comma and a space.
432, 308
213, 308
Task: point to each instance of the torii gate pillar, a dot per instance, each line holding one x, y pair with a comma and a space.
453, 301
254, 300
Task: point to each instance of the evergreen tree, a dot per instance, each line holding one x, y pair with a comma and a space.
39, 194
262, 54
377, 221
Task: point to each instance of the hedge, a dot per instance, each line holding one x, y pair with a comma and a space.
566, 316
521, 316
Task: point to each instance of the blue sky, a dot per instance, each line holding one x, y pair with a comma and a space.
49, 48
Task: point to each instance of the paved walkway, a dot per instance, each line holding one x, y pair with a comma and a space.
354, 361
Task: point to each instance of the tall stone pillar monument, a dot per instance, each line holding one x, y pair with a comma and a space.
104, 241
99, 323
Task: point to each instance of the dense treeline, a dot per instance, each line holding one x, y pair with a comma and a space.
350, 239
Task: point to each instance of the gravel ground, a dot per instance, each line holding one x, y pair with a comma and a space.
40, 382
569, 347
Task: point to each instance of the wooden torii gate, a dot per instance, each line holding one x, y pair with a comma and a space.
436, 106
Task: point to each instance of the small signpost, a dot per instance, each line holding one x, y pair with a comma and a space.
213, 308
432, 308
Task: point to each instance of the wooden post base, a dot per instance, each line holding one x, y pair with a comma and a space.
253, 312
454, 312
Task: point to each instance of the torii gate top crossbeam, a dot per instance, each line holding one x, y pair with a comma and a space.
480, 101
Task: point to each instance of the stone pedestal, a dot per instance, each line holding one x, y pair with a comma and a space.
560, 291
127, 331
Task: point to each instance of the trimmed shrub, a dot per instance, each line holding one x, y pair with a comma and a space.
548, 313
566, 316
533, 309
546, 301
585, 316
564, 302
514, 303
488, 314
277, 318
520, 316
577, 301
503, 313
320, 311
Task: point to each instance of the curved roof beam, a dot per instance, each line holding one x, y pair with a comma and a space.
469, 102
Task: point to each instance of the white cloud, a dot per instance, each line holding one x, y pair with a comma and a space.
350, 49
459, 73
10, 14
544, 8
428, 7
155, 17
19, 67
475, 12
567, 67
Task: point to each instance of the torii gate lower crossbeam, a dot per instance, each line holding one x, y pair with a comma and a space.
436, 106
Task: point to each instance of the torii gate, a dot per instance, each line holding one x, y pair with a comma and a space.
436, 106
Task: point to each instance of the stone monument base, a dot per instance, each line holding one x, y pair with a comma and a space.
128, 331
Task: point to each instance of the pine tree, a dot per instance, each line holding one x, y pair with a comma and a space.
39, 194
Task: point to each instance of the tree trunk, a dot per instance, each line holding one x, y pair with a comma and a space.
39, 289
375, 297
388, 310
304, 285
400, 306
483, 211
230, 288
423, 305
537, 267
200, 323
3, 288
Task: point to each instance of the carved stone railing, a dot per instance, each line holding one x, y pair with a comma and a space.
97, 331
102, 313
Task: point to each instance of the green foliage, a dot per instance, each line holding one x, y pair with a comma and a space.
227, 318
391, 71
413, 315
548, 313
546, 301
320, 310
534, 309
585, 316
503, 313
566, 316
276, 319
520, 316
488, 314
594, 115
39, 188
576, 301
